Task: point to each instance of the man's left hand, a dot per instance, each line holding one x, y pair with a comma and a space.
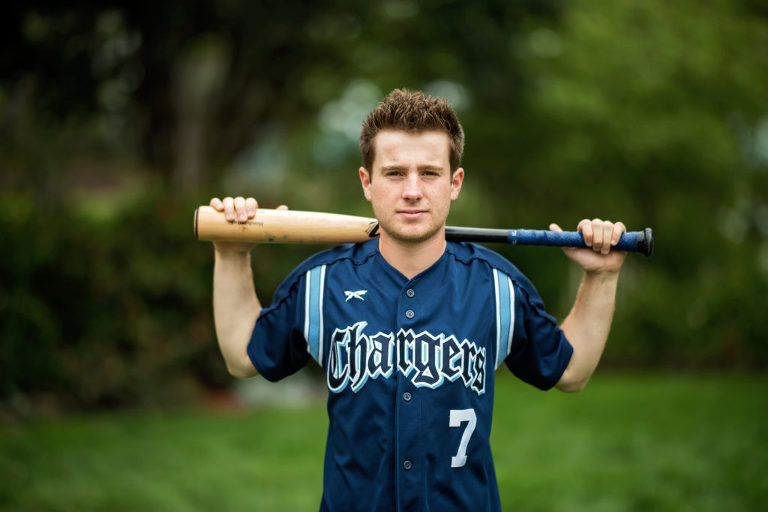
600, 236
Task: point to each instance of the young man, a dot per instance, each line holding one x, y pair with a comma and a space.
410, 328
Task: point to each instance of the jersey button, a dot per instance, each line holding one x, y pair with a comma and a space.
407, 396
409, 314
410, 293
407, 465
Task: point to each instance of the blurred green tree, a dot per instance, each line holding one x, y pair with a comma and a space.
655, 114
189, 87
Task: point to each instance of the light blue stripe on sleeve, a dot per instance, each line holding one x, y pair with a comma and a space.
504, 315
313, 322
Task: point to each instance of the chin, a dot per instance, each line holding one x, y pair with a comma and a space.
414, 235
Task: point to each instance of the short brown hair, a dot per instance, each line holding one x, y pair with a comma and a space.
412, 111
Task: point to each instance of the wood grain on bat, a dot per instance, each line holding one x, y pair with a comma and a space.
284, 226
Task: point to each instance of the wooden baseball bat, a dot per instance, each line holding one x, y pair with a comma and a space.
301, 227
284, 227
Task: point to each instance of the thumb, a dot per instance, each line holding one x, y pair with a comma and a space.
554, 227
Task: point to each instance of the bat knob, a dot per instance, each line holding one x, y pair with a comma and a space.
645, 242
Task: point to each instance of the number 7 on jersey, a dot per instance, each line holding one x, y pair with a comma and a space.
459, 416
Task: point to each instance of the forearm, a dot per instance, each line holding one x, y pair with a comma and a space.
587, 327
235, 309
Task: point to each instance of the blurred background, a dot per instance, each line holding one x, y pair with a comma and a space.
118, 118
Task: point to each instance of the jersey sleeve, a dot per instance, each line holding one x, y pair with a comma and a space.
278, 345
533, 346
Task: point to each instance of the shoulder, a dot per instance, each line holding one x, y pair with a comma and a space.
473, 254
353, 254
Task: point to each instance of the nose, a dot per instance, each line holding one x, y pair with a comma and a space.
412, 187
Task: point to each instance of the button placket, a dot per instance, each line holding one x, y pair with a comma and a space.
408, 450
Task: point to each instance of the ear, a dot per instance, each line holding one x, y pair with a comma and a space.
365, 181
456, 180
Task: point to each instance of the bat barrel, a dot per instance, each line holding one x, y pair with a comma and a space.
284, 227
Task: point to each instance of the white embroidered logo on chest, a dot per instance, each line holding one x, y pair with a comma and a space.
355, 295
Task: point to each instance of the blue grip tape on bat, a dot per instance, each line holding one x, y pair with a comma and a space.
634, 241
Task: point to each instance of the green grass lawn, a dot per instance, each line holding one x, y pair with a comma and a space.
632, 442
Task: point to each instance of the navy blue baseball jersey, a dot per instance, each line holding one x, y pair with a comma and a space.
409, 365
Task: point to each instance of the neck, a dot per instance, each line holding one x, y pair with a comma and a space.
412, 258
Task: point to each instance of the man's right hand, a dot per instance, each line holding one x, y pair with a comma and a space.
237, 209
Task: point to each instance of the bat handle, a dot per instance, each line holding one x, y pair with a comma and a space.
634, 241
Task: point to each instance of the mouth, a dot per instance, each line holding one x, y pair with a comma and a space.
411, 214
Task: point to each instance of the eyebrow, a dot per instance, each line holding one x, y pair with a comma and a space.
404, 168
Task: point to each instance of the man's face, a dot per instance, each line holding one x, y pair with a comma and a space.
410, 186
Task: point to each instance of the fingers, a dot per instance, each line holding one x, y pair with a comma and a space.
598, 237
601, 235
250, 207
240, 213
585, 228
236, 209
618, 229
229, 208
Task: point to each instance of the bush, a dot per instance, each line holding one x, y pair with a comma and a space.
105, 310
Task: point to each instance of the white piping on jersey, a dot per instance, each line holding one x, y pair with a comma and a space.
498, 317
505, 314
511, 317
320, 330
313, 311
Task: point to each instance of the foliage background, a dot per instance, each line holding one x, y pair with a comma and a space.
118, 118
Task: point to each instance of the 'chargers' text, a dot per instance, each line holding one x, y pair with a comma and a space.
429, 360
